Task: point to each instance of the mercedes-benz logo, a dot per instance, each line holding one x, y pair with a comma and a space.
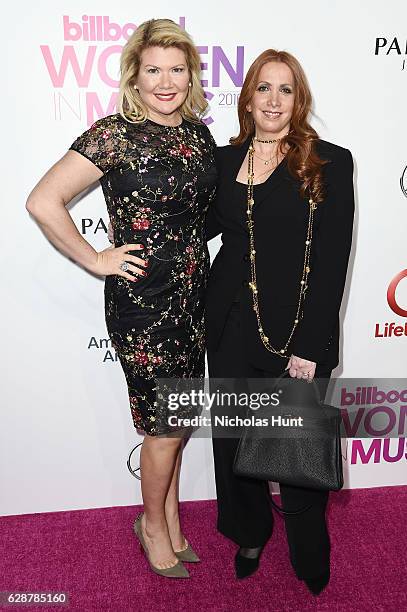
403, 182
131, 469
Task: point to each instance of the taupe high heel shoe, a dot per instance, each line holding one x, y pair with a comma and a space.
187, 554
177, 571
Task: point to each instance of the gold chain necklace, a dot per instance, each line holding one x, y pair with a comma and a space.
266, 161
253, 284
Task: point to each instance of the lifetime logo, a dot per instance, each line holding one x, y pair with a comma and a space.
389, 329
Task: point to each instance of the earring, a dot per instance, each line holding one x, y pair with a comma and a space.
189, 84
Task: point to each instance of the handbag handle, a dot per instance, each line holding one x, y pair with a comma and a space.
315, 387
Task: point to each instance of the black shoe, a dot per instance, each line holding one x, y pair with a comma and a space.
247, 561
317, 585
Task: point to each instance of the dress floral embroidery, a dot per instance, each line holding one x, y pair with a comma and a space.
158, 183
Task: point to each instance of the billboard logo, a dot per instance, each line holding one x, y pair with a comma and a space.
96, 28
88, 60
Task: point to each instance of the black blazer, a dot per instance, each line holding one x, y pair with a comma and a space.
280, 220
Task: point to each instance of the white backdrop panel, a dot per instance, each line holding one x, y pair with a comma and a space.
66, 430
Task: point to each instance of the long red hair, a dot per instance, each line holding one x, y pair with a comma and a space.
302, 160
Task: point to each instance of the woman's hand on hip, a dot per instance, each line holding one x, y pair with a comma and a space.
301, 368
117, 260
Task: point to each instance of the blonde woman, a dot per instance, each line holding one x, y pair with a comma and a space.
155, 162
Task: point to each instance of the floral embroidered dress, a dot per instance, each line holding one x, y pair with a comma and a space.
158, 182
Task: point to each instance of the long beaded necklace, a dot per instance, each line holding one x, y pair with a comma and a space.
282, 352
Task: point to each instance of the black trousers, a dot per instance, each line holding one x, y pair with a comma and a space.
244, 509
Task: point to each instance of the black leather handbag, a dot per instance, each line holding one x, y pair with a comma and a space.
307, 455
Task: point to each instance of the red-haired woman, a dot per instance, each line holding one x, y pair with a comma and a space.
285, 208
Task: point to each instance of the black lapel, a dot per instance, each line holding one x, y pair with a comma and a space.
239, 153
280, 173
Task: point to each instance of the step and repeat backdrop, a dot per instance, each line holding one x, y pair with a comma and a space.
67, 440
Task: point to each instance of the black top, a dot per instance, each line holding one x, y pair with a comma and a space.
240, 198
280, 217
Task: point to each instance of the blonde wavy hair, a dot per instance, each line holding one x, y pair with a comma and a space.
158, 33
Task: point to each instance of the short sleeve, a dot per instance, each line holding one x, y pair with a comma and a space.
104, 143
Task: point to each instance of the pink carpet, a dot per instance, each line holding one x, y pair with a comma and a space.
94, 556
